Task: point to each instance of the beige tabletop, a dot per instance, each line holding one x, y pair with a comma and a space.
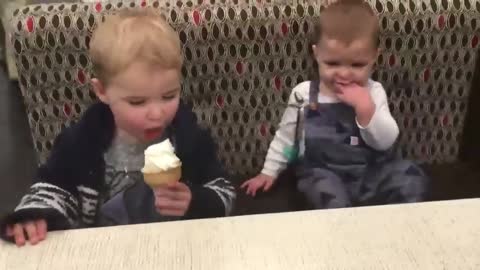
440, 235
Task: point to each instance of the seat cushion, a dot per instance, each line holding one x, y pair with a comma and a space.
242, 59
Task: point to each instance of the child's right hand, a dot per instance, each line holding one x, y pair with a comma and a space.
34, 231
260, 181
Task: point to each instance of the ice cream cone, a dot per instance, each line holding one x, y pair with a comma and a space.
163, 177
162, 166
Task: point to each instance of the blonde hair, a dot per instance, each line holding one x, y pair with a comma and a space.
133, 35
347, 21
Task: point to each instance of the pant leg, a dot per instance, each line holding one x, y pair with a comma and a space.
399, 181
322, 188
131, 206
113, 212
139, 203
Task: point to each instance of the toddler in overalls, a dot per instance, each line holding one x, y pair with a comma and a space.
338, 131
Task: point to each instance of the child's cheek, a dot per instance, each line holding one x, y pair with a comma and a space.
136, 119
362, 78
328, 78
323, 74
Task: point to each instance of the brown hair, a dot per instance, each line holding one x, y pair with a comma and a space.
133, 35
347, 20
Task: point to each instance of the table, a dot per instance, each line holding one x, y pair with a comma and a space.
435, 235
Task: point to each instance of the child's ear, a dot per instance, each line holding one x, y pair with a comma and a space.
99, 90
315, 52
379, 51
375, 57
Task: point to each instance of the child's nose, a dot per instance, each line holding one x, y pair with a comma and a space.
155, 112
343, 74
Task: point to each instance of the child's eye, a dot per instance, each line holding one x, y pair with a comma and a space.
332, 63
359, 65
170, 96
136, 102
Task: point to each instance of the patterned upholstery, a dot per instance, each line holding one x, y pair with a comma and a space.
242, 59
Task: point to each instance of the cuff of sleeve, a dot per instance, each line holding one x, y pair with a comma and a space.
272, 168
205, 203
270, 172
371, 124
55, 220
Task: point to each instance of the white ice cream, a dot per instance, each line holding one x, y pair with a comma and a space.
160, 157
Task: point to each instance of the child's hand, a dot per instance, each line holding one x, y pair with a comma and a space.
173, 199
260, 181
359, 98
36, 231
353, 95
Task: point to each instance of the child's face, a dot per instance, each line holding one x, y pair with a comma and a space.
341, 64
144, 100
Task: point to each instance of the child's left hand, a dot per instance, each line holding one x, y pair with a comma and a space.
359, 98
172, 199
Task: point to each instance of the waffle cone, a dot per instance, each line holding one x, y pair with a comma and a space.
163, 178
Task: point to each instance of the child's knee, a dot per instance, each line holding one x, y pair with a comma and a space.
412, 182
324, 189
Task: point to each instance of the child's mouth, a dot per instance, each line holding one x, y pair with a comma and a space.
153, 133
342, 83
339, 85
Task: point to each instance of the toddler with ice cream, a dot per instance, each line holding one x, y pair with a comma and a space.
136, 156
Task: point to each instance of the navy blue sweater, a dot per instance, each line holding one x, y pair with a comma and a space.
68, 186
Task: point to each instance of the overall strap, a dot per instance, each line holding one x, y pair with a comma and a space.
313, 95
292, 153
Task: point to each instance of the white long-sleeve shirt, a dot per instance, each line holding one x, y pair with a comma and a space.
380, 134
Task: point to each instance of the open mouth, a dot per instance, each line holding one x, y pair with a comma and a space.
153, 133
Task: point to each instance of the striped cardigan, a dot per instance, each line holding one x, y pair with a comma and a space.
68, 186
